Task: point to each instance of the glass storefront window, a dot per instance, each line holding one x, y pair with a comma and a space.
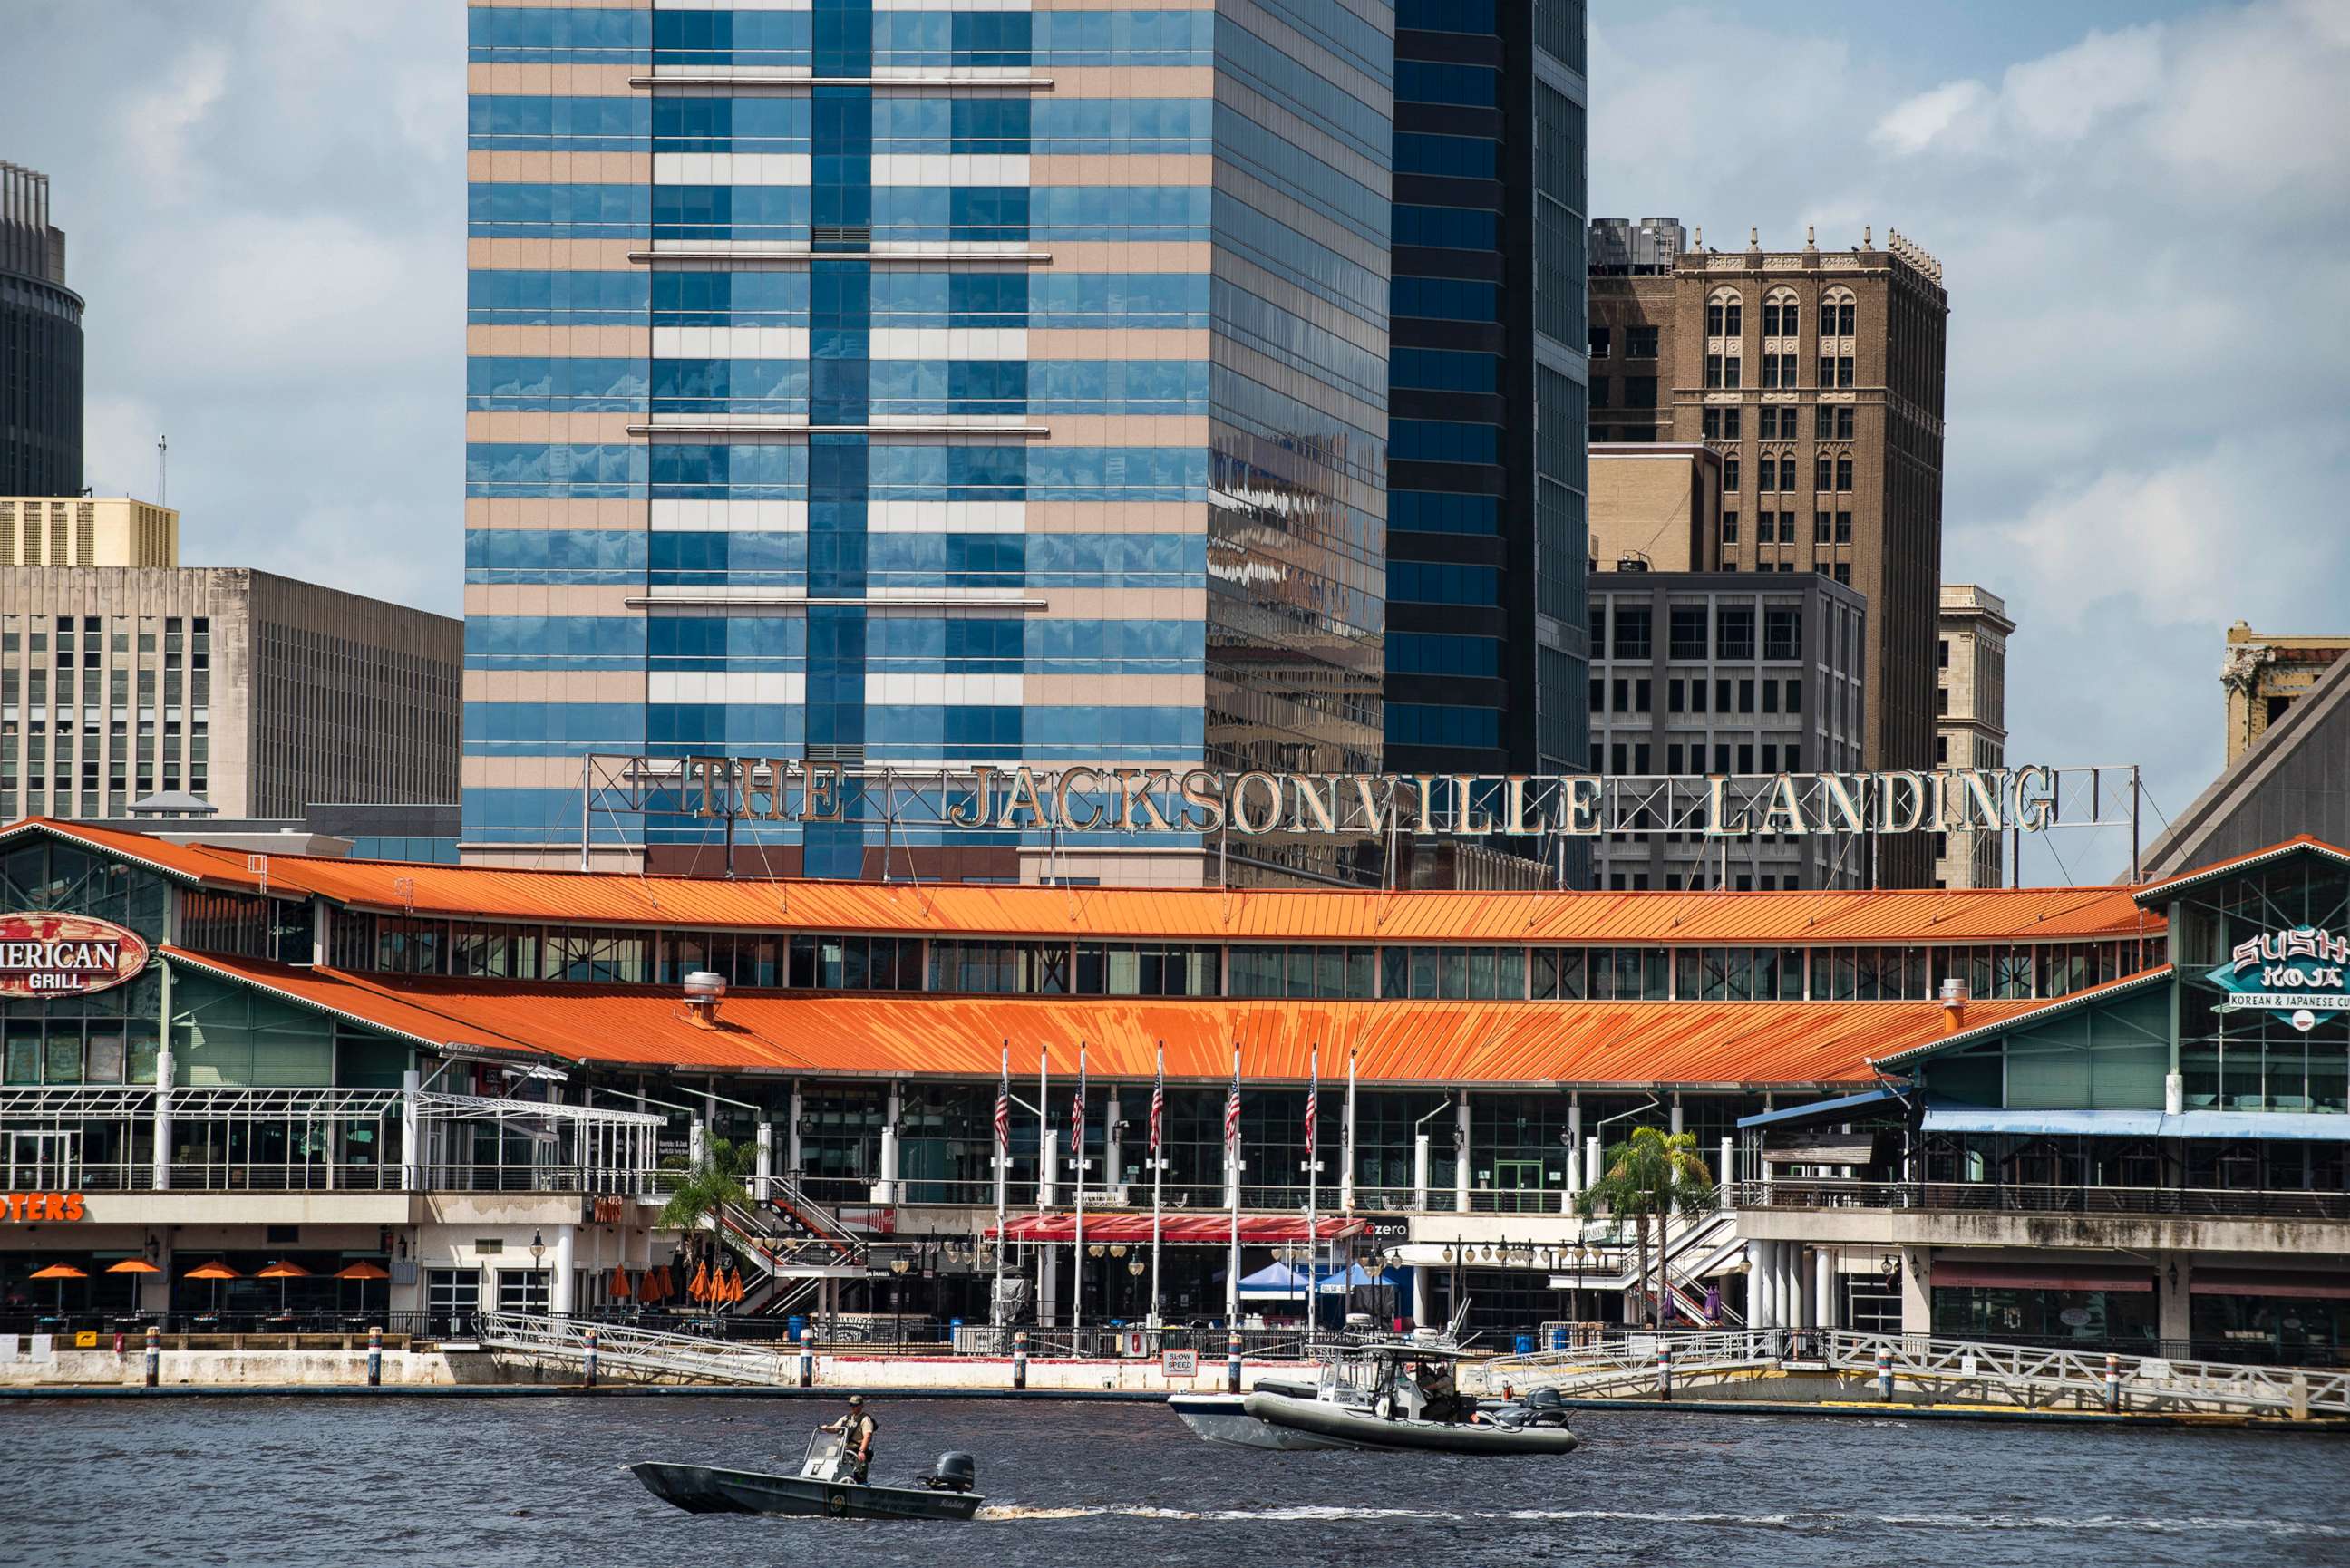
61, 1058
2089, 1317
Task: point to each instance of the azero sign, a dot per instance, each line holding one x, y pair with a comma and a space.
2296, 974
46, 954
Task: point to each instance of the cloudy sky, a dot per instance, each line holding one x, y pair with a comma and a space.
2143, 212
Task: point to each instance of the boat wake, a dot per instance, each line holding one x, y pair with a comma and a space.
1822, 1522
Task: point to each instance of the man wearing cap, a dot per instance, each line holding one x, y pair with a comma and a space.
857, 1430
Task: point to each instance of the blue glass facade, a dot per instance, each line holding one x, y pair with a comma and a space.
1487, 646
898, 386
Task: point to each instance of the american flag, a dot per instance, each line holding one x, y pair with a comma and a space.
1004, 1105
1158, 1104
1233, 1106
1077, 1115
1313, 1102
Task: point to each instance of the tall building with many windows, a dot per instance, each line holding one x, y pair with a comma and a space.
1486, 650
900, 385
1818, 377
40, 345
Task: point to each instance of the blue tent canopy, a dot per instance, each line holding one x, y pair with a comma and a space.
1273, 1280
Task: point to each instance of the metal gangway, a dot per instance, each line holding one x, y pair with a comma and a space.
544, 1337
1630, 1362
2029, 1377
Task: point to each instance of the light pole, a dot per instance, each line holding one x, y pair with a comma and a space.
538, 1253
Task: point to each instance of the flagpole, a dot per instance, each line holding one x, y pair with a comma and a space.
1313, 1182
1158, 1174
1002, 1179
1232, 1175
1043, 1169
1078, 1174
1346, 1170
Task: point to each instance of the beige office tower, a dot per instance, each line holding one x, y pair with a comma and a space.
87, 531
1970, 721
1817, 375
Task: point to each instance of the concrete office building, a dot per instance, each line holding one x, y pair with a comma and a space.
908, 385
40, 345
1656, 505
1485, 652
1970, 721
1818, 376
1721, 673
87, 531
257, 693
2265, 674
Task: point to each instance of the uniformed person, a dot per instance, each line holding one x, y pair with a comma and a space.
857, 1430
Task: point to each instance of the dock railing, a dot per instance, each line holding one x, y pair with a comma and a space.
2027, 1375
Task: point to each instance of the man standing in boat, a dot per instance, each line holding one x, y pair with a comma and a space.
856, 1430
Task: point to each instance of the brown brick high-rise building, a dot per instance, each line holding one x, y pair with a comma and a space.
1817, 375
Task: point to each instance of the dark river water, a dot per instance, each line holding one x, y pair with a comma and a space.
491, 1483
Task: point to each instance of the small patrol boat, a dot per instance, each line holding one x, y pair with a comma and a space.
825, 1487
1395, 1397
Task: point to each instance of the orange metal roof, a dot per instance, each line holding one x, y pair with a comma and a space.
1513, 1044
1174, 914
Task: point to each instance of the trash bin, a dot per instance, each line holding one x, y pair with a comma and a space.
798, 1326
1558, 1339
1526, 1345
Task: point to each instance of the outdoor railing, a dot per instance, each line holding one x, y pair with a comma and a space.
2042, 1371
1109, 1341
2015, 1198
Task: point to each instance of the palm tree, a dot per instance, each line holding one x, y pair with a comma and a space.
706, 1189
1651, 1173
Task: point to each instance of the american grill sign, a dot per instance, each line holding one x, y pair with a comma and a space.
65, 955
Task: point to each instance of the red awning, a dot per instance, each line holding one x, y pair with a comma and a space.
1190, 1229
2055, 1274
2269, 1282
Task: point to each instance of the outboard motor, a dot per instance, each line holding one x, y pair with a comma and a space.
1546, 1407
954, 1473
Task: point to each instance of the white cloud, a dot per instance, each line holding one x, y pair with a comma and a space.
2059, 96
1949, 114
155, 126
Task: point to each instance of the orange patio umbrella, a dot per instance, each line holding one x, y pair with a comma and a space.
362, 1270
619, 1288
216, 1272
698, 1286
282, 1272
60, 1273
133, 1266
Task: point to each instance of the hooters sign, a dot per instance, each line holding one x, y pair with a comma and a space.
44, 954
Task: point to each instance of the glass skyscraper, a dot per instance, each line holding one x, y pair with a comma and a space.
890, 384
1487, 647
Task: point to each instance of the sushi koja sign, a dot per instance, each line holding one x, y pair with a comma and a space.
2296, 974
47, 954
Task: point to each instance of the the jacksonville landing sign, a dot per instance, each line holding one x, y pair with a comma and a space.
1353, 806
2295, 974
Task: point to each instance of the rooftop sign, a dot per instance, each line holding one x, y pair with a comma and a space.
1252, 804
44, 953
2295, 974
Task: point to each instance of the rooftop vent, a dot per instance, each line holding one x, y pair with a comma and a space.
704, 988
